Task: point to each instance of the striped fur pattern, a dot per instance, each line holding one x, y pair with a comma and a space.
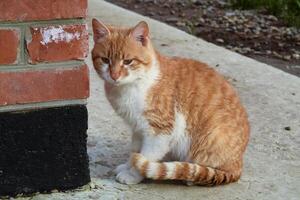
187, 121
190, 172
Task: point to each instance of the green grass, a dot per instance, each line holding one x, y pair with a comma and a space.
288, 10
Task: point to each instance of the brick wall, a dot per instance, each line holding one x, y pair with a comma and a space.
44, 84
42, 47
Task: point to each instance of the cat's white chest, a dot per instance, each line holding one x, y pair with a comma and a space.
129, 103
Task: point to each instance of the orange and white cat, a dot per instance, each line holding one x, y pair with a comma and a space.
187, 121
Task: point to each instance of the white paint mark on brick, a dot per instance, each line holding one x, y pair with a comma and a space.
57, 34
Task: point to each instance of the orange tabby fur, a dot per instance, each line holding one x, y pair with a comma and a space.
216, 122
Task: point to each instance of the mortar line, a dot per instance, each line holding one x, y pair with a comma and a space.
43, 22
67, 64
41, 105
22, 46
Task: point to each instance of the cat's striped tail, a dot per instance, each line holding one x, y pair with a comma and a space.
190, 172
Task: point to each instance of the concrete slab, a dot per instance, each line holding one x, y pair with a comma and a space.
272, 98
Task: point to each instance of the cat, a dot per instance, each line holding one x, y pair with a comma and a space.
187, 121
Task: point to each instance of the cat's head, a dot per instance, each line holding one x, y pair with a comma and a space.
122, 55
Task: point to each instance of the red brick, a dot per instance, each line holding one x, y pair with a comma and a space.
43, 85
9, 45
57, 43
27, 10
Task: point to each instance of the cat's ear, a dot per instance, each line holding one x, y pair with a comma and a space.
140, 33
100, 30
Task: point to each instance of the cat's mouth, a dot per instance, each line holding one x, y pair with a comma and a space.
115, 83
109, 80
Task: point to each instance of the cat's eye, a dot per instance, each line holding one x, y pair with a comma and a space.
127, 62
105, 60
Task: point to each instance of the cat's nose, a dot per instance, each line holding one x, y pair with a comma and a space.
115, 75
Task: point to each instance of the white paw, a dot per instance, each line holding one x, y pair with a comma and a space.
122, 167
190, 183
129, 177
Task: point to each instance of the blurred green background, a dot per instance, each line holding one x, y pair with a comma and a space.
288, 10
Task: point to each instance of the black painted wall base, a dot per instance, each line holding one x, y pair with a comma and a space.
42, 150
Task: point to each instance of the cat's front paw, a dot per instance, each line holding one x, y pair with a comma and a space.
129, 177
190, 183
122, 167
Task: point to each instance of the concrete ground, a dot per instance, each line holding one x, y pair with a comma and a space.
272, 98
